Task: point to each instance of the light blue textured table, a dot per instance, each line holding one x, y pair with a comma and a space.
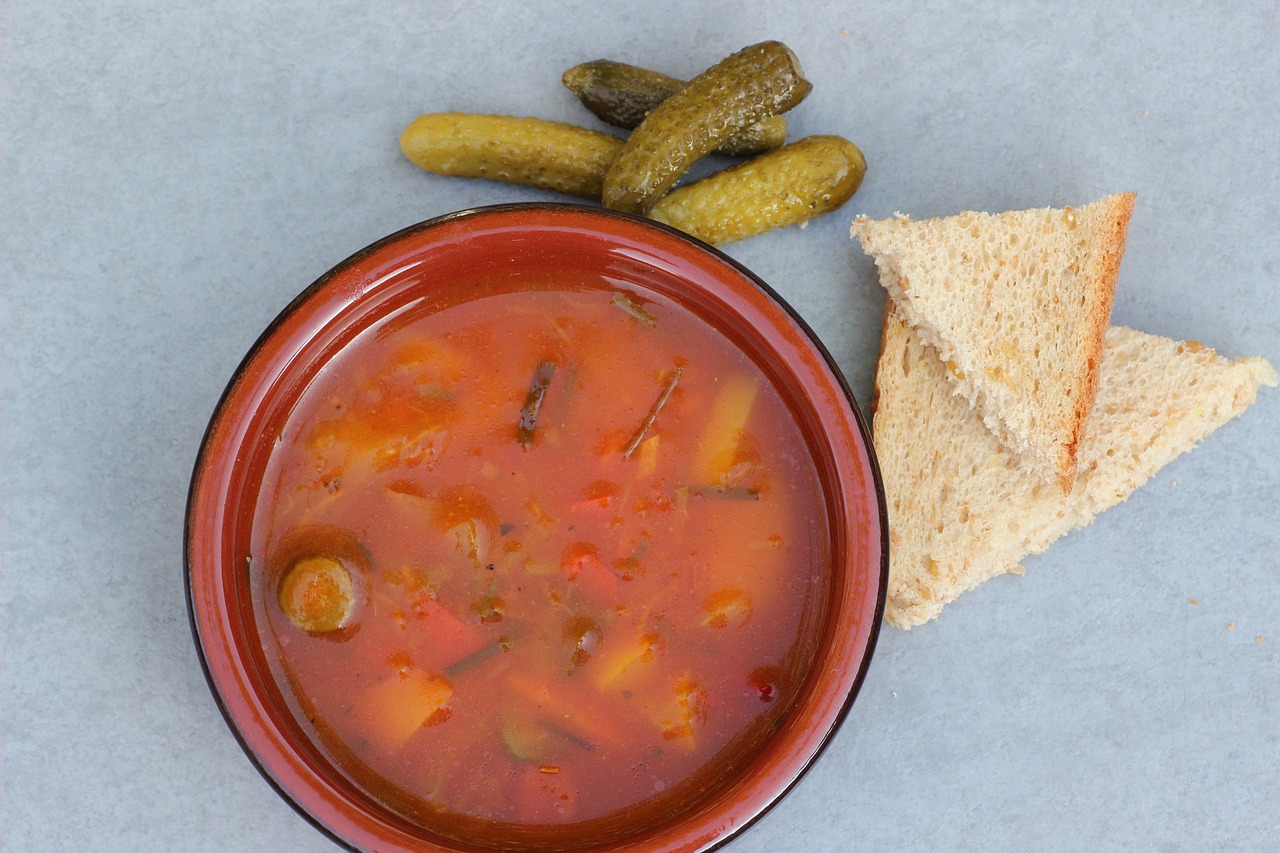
174, 173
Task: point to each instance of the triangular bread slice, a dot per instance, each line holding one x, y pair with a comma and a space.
961, 510
1016, 303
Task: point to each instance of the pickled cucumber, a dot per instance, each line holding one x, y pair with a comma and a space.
757, 81
317, 595
622, 95
546, 154
796, 182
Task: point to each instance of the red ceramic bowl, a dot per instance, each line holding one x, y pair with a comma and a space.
373, 283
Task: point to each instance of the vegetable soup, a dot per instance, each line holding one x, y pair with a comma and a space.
542, 558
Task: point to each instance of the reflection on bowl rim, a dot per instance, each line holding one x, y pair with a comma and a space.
719, 817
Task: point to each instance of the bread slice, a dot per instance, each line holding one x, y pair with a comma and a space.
961, 509
1016, 304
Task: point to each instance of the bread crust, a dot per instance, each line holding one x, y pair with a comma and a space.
1105, 279
885, 318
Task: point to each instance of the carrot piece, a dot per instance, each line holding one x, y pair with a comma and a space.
722, 433
629, 657
396, 707
647, 457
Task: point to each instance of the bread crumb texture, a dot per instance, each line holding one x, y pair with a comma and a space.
1016, 304
962, 507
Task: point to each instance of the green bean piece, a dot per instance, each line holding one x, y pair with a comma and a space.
626, 303
654, 411
533, 402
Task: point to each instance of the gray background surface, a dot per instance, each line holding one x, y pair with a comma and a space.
174, 173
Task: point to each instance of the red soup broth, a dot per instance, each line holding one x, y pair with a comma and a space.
541, 560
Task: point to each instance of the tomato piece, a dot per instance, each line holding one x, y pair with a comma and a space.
598, 495
590, 576
584, 636
765, 683
445, 639
727, 606
682, 713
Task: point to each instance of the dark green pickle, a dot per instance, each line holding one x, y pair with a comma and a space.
756, 82
622, 95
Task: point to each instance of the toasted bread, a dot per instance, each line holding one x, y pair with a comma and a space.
1016, 304
961, 507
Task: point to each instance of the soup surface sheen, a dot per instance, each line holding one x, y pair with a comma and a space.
542, 557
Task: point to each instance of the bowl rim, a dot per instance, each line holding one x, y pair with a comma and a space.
864, 434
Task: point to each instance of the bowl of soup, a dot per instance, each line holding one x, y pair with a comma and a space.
535, 527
